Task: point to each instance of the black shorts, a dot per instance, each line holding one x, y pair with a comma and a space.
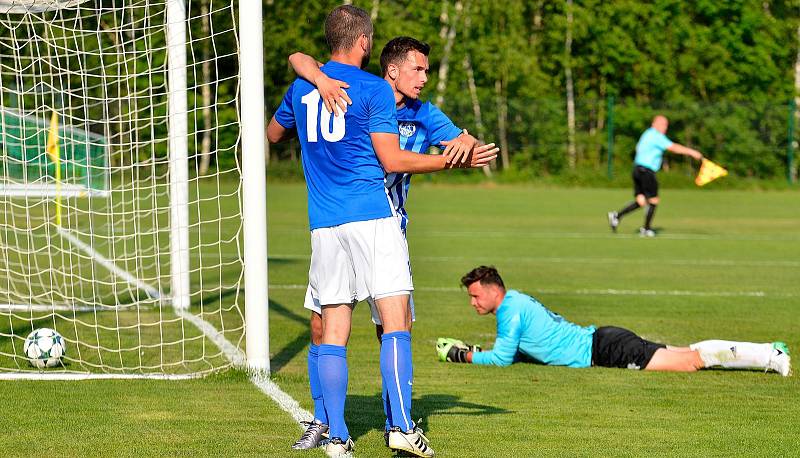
618, 347
644, 182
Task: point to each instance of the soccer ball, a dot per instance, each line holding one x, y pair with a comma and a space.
44, 347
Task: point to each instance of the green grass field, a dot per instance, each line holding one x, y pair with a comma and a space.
725, 265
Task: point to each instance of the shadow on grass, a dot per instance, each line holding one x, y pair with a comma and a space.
291, 349
12, 347
22, 328
215, 297
365, 413
283, 261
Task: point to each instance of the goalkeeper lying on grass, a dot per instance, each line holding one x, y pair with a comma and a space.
526, 329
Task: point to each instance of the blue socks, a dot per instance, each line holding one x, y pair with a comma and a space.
327, 373
397, 374
313, 381
332, 372
387, 406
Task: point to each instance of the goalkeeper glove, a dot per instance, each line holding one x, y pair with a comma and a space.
454, 350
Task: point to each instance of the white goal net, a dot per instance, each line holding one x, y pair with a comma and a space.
120, 185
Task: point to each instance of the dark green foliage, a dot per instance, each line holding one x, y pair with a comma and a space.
722, 70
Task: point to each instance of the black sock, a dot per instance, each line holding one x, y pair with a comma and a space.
651, 210
631, 207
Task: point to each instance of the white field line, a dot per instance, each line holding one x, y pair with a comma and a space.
580, 260
598, 292
593, 235
238, 359
74, 376
105, 262
234, 355
589, 235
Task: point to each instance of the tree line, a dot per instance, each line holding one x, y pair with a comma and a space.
561, 86
543, 79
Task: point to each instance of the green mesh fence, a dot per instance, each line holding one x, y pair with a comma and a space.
24, 160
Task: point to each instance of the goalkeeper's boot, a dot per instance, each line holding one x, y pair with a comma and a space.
337, 448
413, 442
316, 434
613, 221
779, 360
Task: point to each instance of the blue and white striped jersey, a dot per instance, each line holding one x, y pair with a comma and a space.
421, 124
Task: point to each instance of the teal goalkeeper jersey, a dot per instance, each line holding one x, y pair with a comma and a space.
526, 327
650, 149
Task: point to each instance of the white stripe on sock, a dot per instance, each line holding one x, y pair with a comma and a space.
397, 382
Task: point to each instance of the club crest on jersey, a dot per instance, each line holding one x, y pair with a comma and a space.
407, 128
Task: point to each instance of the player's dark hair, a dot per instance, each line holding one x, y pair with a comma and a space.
485, 275
397, 49
344, 25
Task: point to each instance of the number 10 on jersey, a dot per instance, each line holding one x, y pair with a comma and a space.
316, 113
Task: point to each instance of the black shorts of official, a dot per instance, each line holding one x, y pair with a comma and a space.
618, 347
644, 182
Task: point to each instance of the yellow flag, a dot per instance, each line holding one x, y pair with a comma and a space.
52, 140
55, 156
709, 172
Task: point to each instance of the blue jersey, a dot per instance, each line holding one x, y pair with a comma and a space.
650, 149
344, 178
421, 125
526, 327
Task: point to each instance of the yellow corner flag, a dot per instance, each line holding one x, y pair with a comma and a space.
52, 141
55, 155
709, 172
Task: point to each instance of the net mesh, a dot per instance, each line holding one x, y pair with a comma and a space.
97, 267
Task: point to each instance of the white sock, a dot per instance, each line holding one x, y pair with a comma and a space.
735, 355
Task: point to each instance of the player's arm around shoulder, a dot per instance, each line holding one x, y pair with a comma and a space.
331, 91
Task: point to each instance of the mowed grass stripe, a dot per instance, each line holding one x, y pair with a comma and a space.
596, 292
578, 260
594, 235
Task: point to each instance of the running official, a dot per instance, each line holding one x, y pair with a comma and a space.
649, 156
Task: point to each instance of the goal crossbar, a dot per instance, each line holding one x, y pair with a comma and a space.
35, 6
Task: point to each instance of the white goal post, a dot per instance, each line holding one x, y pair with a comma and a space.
133, 186
255, 188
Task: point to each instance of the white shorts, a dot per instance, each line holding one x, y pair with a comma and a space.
357, 260
312, 304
